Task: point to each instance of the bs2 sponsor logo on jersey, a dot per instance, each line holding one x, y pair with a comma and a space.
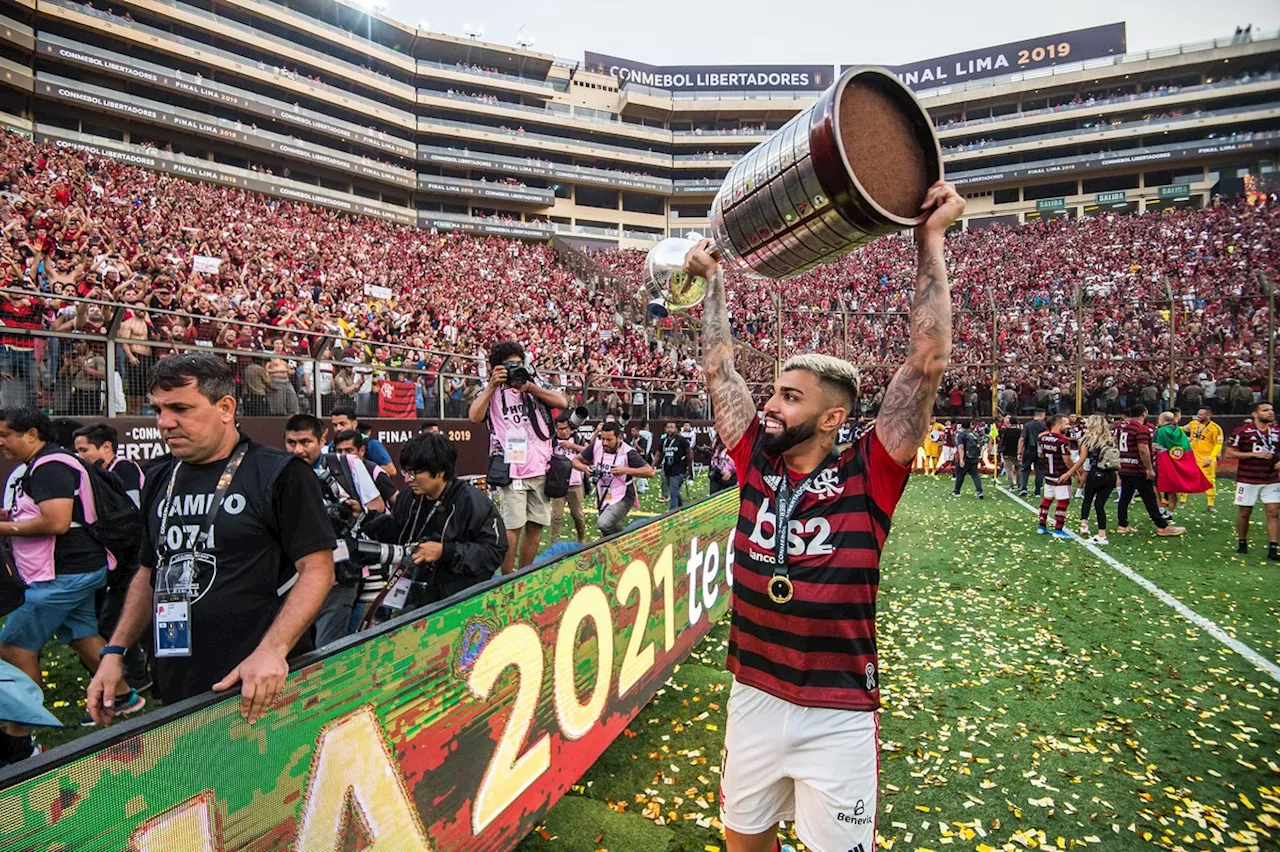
807, 537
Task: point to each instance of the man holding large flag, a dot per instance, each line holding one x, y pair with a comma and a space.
1206, 442
1176, 470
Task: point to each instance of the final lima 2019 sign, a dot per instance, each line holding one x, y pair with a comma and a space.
453, 728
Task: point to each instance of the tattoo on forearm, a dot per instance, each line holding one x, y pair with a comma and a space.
908, 402
731, 400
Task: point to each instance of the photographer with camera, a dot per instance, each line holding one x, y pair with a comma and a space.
518, 411
351, 442
349, 491
613, 467
566, 447
450, 531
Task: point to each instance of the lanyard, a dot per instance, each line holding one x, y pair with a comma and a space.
780, 587
219, 494
413, 528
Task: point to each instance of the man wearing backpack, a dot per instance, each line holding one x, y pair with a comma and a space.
50, 524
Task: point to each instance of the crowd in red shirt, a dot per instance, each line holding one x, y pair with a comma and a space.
290, 276
1014, 299
78, 225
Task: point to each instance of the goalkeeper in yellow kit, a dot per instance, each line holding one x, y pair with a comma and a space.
1206, 443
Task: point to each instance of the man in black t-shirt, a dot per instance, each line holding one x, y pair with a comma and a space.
675, 456
243, 591
968, 453
97, 444
1010, 435
1028, 453
62, 565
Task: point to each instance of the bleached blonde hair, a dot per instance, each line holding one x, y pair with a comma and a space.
1097, 433
830, 370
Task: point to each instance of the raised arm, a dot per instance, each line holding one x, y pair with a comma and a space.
908, 402
731, 402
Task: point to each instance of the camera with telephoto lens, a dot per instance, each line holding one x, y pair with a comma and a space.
518, 375
366, 551
340, 514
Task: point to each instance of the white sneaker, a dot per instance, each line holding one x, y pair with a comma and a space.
1098, 539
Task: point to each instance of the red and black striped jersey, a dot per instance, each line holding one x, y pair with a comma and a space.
1250, 439
1130, 437
1055, 449
819, 648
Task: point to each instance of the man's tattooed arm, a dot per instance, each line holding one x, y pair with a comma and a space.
908, 402
731, 400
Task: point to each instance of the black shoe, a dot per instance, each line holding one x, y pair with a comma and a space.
1273, 556
1242, 548
955, 493
1022, 493
980, 497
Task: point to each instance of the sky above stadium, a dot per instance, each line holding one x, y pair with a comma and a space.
659, 32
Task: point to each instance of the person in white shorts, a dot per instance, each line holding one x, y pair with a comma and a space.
801, 738
1253, 446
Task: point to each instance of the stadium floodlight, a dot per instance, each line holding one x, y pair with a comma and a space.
472, 32
524, 42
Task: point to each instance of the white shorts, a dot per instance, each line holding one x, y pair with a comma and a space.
1057, 492
816, 766
1247, 495
948, 453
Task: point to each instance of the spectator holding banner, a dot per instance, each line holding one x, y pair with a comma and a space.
518, 410
236, 557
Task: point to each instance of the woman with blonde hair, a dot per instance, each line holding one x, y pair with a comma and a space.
1100, 457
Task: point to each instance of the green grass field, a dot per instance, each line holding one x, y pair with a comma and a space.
1034, 697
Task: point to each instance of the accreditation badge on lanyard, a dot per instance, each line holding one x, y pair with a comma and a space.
177, 575
517, 449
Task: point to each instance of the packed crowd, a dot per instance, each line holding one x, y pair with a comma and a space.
278, 281
279, 278
1014, 296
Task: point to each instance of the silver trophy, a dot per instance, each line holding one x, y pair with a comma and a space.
854, 166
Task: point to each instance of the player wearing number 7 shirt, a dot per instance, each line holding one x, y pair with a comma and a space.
801, 742
1054, 449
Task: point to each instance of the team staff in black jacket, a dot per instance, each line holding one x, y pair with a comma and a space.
458, 532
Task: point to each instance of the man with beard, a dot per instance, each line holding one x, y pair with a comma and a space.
811, 526
1253, 445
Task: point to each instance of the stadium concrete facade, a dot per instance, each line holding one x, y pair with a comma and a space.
332, 104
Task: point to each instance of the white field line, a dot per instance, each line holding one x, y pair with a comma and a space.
1262, 663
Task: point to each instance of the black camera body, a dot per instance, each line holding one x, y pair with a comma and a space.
518, 375
600, 472
340, 514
